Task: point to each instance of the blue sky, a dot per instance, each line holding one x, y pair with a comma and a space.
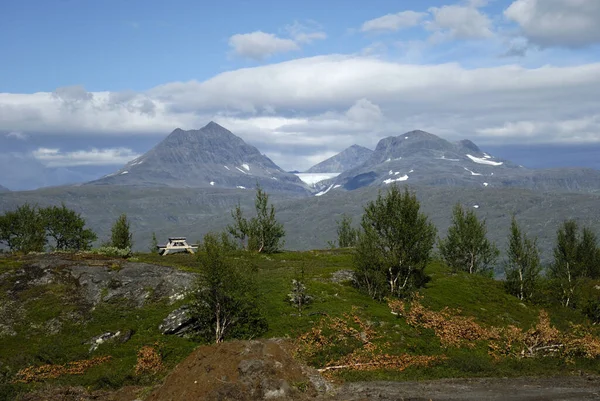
87, 85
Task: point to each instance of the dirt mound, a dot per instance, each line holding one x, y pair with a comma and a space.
240, 370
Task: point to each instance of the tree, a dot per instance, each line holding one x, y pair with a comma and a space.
523, 266
466, 248
263, 232
394, 245
589, 253
22, 230
153, 243
576, 257
347, 235
66, 228
226, 297
121, 237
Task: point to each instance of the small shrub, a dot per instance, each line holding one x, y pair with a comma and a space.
112, 251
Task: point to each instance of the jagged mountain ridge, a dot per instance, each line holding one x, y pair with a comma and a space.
418, 157
347, 159
211, 157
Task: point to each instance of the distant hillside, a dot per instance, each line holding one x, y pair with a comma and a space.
4, 189
211, 157
310, 222
347, 159
421, 158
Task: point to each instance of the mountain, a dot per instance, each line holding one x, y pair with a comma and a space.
211, 157
419, 157
4, 189
347, 159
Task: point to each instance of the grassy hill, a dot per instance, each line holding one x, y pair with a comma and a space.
357, 323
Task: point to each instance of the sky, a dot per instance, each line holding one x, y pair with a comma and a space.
87, 85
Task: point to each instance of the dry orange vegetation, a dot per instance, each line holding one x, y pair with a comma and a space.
148, 361
331, 331
39, 373
543, 339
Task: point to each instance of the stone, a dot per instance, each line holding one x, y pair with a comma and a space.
101, 339
179, 323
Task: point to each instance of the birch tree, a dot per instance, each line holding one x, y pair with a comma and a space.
466, 247
226, 297
523, 265
394, 245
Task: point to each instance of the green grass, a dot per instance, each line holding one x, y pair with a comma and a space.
477, 296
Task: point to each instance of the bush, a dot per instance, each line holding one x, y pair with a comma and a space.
112, 251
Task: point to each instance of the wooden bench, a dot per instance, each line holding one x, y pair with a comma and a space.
176, 244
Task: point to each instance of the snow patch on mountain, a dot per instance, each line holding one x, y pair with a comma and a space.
472, 172
313, 178
325, 191
390, 180
484, 161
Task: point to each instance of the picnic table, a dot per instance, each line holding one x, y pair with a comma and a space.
176, 244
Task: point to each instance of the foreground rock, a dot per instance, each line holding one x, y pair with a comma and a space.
100, 279
179, 322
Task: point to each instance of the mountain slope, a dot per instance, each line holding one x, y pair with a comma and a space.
4, 189
347, 159
419, 157
211, 157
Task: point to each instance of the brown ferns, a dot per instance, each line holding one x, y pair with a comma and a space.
452, 329
543, 339
365, 356
44, 372
148, 361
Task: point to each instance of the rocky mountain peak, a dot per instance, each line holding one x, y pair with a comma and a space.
410, 144
209, 157
347, 159
468, 145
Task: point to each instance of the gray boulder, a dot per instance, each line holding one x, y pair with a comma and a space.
180, 322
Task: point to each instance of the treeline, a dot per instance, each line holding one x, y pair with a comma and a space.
58, 228
395, 242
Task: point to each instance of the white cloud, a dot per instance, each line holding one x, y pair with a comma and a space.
259, 45
568, 23
322, 104
17, 135
459, 22
578, 130
92, 157
302, 33
393, 22
364, 111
